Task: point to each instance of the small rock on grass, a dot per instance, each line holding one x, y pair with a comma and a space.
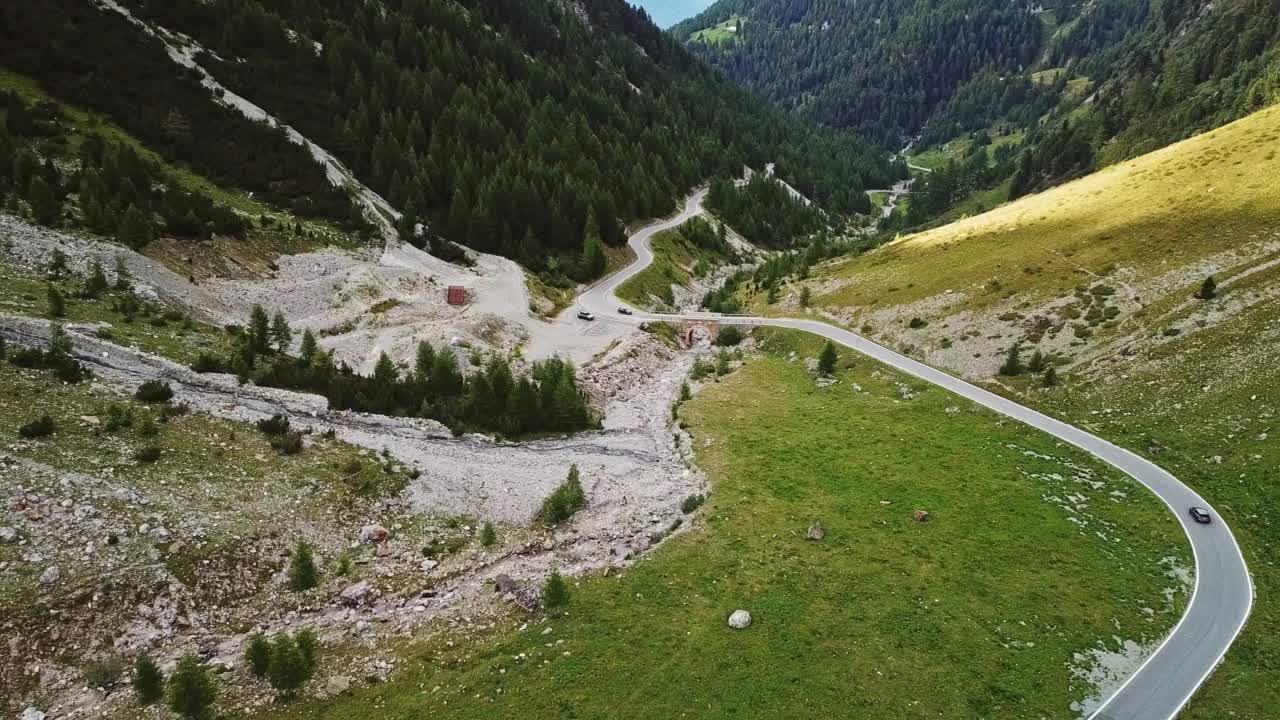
816, 531
740, 619
374, 533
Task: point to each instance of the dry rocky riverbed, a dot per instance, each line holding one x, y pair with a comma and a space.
115, 566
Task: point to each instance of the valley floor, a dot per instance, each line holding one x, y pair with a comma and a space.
981, 607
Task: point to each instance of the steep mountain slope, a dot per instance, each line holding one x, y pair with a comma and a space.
1089, 83
879, 67
1104, 280
511, 127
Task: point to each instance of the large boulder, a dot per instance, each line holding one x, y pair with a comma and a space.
8, 535
357, 595
740, 620
51, 575
337, 685
33, 713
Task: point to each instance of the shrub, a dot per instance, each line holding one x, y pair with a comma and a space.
57, 305
729, 336
30, 358
691, 503
1037, 362
148, 681
103, 673
274, 425
685, 394
148, 454
154, 391
566, 500
1050, 377
722, 363
917, 323
1208, 289
191, 692
289, 443
38, 428
555, 594
257, 655
303, 574
488, 536
148, 428
169, 411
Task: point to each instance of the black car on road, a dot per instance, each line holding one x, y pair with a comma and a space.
1200, 515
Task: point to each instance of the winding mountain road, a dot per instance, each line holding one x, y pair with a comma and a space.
1223, 594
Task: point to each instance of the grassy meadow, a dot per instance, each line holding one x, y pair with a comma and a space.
1150, 213
1032, 553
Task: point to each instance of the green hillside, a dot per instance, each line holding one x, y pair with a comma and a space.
1101, 277
987, 615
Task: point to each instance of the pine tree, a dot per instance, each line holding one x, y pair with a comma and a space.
97, 282
257, 655
148, 681
1013, 362
1050, 377
135, 229
57, 305
827, 360
57, 265
307, 351
555, 593
281, 334
309, 646
177, 129
191, 692
123, 279
1036, 364
385, 371
593, 260
488, 536
1208, 289
259, 329
805, 297
303, 574
46, 208
288, 668
574, 494
423, 362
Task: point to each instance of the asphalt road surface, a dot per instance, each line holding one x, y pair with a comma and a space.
1223, 593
